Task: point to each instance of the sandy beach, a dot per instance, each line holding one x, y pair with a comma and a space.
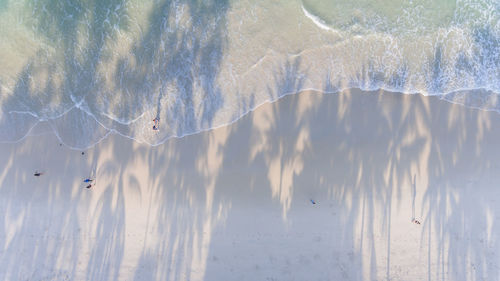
234, 203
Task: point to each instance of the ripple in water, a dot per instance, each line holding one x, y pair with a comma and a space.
88, 69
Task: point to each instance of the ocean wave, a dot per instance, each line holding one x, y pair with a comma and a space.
316, 20
113, 67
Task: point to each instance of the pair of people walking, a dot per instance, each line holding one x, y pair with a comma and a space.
89, 181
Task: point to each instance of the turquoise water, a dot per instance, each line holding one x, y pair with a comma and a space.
87, 69
392, 16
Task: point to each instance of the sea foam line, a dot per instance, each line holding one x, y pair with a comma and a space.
110, 131
317, 21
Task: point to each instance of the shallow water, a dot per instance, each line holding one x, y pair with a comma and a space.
85, 69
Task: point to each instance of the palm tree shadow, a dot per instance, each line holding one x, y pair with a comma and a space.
81, 87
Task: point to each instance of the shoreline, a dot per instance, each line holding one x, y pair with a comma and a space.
115, 133
234, 202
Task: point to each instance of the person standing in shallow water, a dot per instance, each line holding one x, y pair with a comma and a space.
156, 125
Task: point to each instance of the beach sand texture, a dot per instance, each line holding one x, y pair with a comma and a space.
234, 203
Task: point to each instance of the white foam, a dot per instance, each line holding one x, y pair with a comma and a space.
249, 75
317, 21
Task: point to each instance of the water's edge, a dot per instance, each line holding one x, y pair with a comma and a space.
112, 132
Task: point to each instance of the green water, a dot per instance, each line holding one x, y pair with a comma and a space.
114, 65
385, 15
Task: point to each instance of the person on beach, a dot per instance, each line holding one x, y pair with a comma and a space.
89, 186
37, 174
87, 180
415, 221
156, 125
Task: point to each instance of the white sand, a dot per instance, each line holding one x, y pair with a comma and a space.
234, 203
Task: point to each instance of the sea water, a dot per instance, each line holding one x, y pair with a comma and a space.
87, 69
